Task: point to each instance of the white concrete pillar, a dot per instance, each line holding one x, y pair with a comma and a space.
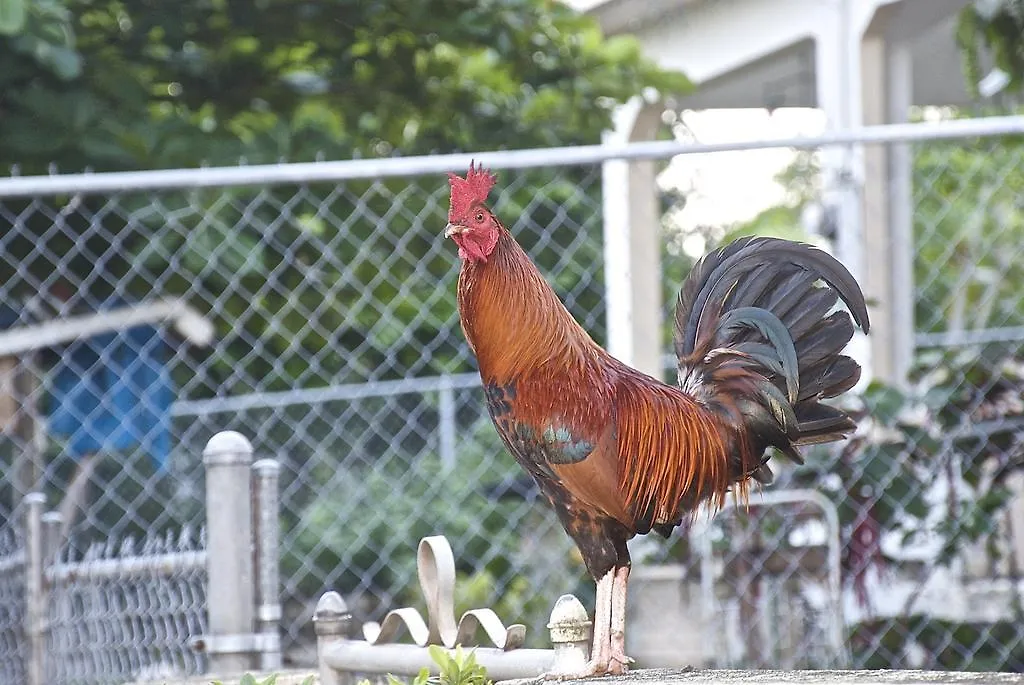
888, 214
886, 96
632, 244
876, 233
901, 214
838, 74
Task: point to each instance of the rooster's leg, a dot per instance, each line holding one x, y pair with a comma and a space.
618, 662
601, 652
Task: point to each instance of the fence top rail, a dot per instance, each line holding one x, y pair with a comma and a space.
347, 170
12, 562
345, 392
143, 565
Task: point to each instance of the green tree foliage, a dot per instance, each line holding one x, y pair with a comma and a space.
969, 228
995, 27
139, 84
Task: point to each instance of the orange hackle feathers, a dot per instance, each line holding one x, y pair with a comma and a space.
469, 191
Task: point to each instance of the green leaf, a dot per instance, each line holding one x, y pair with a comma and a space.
65, 62
622, 48
885, 402
13, 15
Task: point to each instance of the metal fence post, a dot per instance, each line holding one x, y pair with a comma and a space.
52, 523
35, 609
231, 592
446, 420
267, 540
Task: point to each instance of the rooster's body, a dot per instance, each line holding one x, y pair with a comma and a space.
616, 452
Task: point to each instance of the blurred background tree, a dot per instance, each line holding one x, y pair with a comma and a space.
121, 84
990, 34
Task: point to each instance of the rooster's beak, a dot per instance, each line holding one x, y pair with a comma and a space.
452, 229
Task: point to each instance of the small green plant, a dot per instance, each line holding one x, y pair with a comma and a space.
458, 668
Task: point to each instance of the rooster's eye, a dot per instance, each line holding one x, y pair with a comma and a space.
480, 218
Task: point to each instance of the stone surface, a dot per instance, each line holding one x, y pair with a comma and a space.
767, 677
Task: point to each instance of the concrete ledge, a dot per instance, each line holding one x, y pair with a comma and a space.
766, 677
284, 677
711, 677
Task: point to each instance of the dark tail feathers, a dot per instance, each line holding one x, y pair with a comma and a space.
759, 340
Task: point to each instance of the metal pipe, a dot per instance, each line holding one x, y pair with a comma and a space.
127, 567
189, 322
977, 337
268, 553
12, 562
446, 420
346, 170
52, 522
347, 392
361, 657
35, 589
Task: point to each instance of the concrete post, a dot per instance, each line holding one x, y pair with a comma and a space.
901, 217
268, 582
231, 589
838, 88
888, 216
332, 622
632, 244
570, 635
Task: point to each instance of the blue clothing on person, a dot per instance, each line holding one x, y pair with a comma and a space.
113, 392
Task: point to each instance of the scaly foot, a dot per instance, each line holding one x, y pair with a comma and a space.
593, 669
618, 663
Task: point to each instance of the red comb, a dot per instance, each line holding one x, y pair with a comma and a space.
469, 191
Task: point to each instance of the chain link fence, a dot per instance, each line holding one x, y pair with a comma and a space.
168, 605
933, 490
127, 611
336, 349
337, 352
929, 492
12, 605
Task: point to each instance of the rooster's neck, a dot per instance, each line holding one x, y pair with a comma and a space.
513, 319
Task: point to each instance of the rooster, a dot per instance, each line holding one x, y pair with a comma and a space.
618, 453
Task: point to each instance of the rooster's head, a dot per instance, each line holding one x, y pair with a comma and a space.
470, 223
